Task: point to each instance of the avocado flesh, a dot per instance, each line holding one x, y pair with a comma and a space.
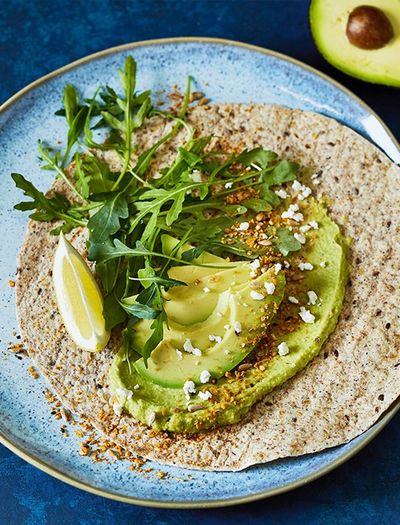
328, 19
231, 304
326, 245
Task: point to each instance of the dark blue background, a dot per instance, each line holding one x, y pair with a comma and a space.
37, 37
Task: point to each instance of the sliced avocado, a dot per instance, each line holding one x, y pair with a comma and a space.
335, 37
237, 322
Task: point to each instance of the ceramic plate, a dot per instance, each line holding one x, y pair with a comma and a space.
26, 426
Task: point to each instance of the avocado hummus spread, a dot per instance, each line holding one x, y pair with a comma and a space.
235, 332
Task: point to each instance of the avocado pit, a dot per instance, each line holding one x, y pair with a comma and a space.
368, 28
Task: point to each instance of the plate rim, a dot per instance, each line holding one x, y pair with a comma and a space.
373, 431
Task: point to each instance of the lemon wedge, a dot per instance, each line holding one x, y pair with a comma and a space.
79, 299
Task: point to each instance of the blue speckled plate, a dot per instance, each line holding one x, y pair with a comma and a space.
26, 426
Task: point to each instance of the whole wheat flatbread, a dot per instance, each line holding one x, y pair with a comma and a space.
343, 391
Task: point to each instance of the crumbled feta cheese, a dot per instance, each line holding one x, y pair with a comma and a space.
312, 297
188, 347
227, 326
152, 418
314, 225
297, 186
270, 287
227, 352
136, 387
237, 327
283, 349
305, 228
305, 266
323, 264
196, 176
205, 376
286, 264
243, 226
216, 338
293, 300
189, 388
245, 305
206, 289
298, 217
277, 268
179, 354
256, 295
205, 395
124, 393
228, 185
299, 237
254, 265
306, 192
117, 409
283, 194
306, 315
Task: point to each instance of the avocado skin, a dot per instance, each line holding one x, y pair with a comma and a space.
385, 68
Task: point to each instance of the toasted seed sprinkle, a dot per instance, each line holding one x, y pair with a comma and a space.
34, 373
194, 408
152, 418
11, 283
256, 295
293, 300
244, 366
161, 475
283, 349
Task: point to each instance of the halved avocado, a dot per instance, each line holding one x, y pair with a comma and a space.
345, 43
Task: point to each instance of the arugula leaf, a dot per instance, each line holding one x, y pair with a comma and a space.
283, 171
156, 337
71, 103
258, 156
257, 205
285, 242
107, 220
141, 311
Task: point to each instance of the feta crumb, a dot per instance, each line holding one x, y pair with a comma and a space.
243, 226
286, 264
305, 228
117, 409
179, 354
205, 395
189, 388
299, 237
314, 225
245, 305
196, 176
205, 376
283, 194
227, 326
298, 217
312, 297
254, 265
306, 192
152, 418
256, 296
270, 287
206, 289
277, 268
136, 387
305, 266
124, 393
297, 186
323, 264
216, 338
306, 315
237, 327
188, 347
227, 352
228, 185
283, 349
293, 300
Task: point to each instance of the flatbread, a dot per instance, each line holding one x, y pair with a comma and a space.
343, 391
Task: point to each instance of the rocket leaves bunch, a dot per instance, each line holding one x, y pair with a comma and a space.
127, 211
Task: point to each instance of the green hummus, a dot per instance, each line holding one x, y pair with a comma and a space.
245, 336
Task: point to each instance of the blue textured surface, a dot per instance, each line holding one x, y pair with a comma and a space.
32, 497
